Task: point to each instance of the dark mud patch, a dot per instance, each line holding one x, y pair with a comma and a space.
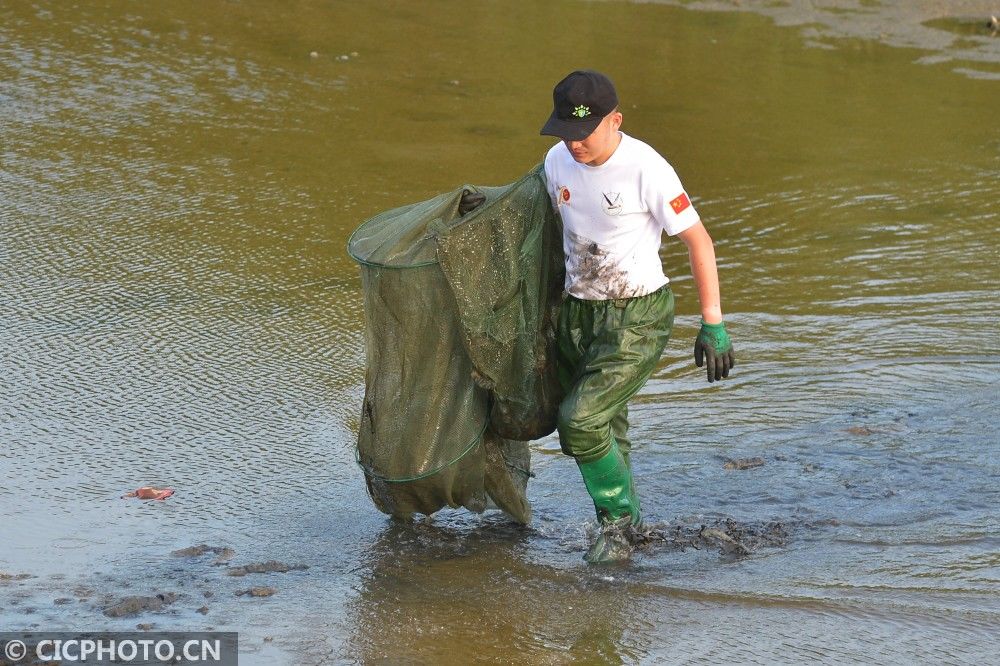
83, 592
131, 606
731, 538
271, 566
592, 270
743, 463
8, 577
261, 591
223, 553
177, 591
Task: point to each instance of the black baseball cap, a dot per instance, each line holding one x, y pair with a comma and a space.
580, 102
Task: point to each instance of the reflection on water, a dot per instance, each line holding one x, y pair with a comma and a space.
177, 183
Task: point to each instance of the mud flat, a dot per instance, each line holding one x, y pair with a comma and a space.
957, 31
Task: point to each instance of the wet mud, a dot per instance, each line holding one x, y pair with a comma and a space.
174, 594
223, 553
259, 591
8, 576
131, 606
743, 463
733, 539
271, 566
182, 596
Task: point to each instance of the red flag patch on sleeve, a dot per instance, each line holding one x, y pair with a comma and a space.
680, 203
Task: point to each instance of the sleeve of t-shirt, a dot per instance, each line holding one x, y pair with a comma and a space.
665, 197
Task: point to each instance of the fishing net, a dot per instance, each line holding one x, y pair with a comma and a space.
460, 332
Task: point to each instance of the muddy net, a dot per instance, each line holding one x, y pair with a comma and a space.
460, 317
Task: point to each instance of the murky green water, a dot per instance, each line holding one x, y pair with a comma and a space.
177, 183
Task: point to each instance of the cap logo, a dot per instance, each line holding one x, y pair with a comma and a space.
579, 103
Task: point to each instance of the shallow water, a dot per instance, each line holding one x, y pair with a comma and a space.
177, 183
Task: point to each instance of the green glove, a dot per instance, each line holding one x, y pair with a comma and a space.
714, 346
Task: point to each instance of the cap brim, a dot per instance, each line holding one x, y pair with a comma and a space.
570, 130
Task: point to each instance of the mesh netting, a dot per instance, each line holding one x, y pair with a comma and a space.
460, 315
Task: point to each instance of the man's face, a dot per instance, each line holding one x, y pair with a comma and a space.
600, 145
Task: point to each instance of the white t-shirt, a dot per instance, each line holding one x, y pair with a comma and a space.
613, 216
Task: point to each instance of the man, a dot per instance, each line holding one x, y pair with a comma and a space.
615, 196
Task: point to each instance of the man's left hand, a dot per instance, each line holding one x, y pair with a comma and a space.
714, 349
470, 201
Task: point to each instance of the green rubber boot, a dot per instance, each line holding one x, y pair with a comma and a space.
610, 484
631, 481
619, 431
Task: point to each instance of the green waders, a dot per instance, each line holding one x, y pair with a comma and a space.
607, 351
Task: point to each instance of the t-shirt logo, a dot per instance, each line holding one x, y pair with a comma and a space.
680, 203
612, 202
563, 195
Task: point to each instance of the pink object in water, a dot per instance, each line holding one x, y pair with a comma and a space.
148, 492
